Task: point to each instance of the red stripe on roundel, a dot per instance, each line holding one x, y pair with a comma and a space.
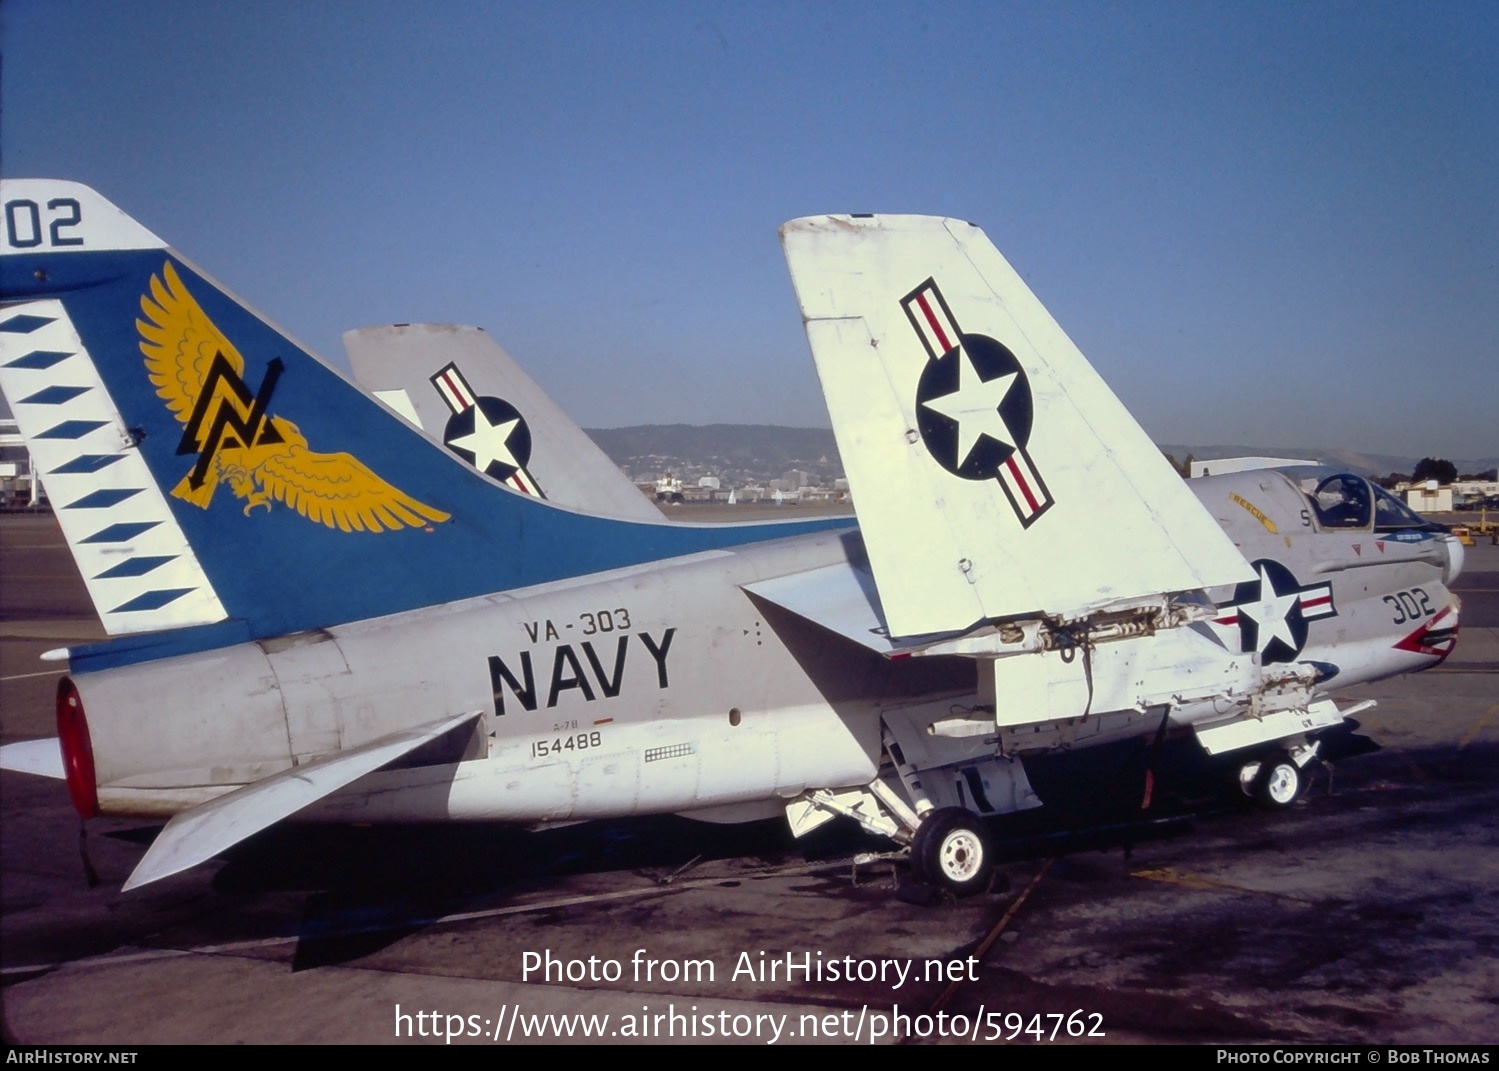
932, 321
461, 399
1025, 488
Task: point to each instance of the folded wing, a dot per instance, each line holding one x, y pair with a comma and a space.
995, 474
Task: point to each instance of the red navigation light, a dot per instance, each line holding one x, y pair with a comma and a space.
77, 751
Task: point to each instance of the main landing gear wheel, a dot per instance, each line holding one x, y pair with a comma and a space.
952, 850
1279, 781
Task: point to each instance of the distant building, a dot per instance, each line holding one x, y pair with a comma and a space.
1473, 492
1429, 498
18, 485
669, 489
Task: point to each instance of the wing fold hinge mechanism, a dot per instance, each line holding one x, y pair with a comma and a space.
1071, 632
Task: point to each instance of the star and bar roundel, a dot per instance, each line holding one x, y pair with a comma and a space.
1273, 610
487, 432
973, 405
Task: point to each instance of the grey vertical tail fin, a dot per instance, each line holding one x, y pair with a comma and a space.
464, 391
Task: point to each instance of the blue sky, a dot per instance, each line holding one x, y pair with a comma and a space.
1263, 223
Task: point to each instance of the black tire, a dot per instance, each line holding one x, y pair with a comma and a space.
1245, 778
952, 850
1279, 783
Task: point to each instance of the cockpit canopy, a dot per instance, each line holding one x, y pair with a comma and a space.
1341, 500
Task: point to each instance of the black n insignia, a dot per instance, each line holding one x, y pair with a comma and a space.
250, 430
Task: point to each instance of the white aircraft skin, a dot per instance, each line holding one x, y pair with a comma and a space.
742, 673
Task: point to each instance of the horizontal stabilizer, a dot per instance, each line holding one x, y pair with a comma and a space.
40, 757
994, 473
841, 598
202, 832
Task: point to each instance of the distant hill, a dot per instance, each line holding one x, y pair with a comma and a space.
739, 453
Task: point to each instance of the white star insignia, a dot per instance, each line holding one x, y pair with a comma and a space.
975, 408
1270, 613
488, 442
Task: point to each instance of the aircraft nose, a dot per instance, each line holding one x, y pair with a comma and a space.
1454, 559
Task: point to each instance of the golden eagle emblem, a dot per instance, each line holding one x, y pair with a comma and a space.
263, 458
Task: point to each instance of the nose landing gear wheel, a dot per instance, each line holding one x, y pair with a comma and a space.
952, 849
1279, 782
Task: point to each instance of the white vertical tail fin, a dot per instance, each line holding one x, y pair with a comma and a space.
995, 474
